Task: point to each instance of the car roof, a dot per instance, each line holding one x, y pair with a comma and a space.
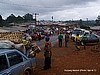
6, 50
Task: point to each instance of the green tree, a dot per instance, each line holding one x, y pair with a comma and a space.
11, 19
19, 19
1, 21
28, 17
80, 22
97, 21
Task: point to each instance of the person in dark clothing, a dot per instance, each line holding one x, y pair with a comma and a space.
39, 37
47, 55
66, 39
47, 37
60, 39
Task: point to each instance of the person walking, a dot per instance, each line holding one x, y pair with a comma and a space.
47, 54
60, 39
39, 36
77, 40
84, 37
26, 43
47, 37
66, 39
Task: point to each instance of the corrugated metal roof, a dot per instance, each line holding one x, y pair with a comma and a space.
12, 29
95, 27
2, 30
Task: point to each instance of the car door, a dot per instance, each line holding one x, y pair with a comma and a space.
3, 65
15, 63
30, 63
94, 38
33, 62
89, 38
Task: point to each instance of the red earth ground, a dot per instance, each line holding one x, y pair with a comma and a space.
69, 61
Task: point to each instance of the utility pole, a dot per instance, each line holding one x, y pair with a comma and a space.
72, 21
87, 20
52, 18
35, 17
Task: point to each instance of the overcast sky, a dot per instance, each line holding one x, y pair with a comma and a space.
59, 9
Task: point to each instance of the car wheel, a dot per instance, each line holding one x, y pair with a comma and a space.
27, 73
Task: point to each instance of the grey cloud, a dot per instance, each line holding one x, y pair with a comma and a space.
60, 3
47, 4
40, 6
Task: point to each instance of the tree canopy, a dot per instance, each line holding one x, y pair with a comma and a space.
19, 19
28, 17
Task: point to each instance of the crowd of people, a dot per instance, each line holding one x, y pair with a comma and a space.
67, 37
60, 39
32, 48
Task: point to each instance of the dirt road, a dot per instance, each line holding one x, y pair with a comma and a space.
69, 61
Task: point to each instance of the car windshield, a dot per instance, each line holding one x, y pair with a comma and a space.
91, 36
77, 32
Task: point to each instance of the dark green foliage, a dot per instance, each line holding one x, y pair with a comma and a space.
12, 19
97, 21
1, 21
28, 17
19, 19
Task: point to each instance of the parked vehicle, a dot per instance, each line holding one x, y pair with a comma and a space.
79, 31
75, 32
13, 62
91, 38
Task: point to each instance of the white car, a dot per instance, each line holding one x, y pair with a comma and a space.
81, 32
75, 32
